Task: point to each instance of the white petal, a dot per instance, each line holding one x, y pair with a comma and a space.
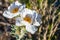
9, 8
30, 28
25, 23
22, 7
37, 19
8, 14
15, 14
17, 3
36, 24
26, 11
14, 5
18, 22
5, 14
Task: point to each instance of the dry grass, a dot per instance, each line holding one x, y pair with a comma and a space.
50, 20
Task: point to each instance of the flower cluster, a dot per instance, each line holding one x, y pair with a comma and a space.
30, 18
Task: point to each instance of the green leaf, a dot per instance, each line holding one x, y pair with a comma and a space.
11, 1
17, 37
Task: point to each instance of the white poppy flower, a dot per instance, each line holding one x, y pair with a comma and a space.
31, 16
13, 10
30, 19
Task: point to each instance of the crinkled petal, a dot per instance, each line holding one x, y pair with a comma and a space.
37, 19
36, 24
8, 14
30, 28
26, 11
25, 23
22, 7
16, 4
19, 22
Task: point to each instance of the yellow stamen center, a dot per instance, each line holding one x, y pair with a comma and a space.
15, 10
28, 19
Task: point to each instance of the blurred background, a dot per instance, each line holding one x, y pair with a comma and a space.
48, 30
